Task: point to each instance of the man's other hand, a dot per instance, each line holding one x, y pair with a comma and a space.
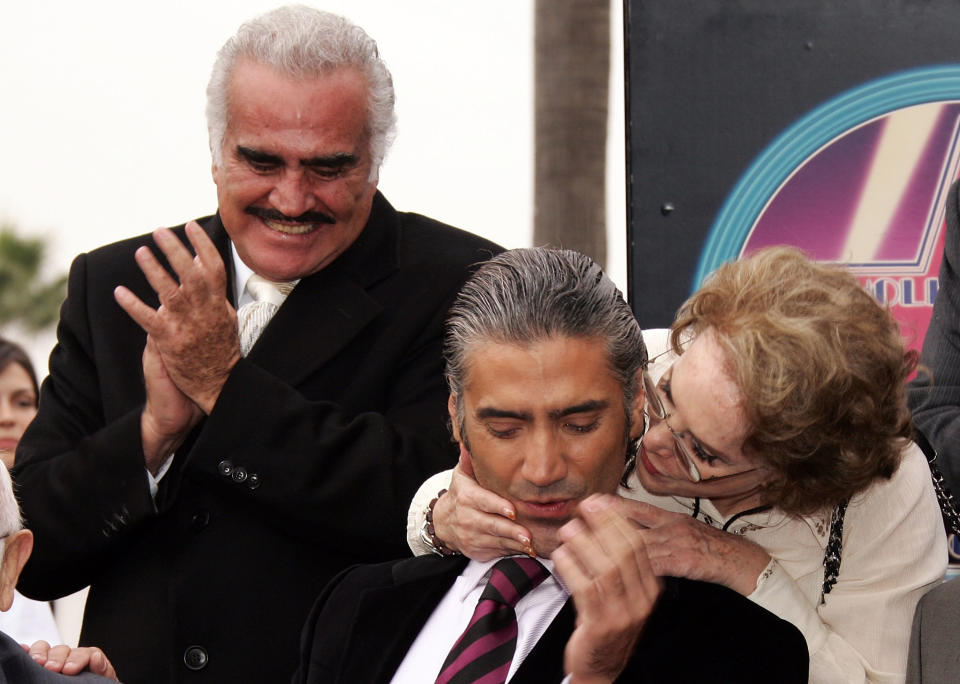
604, 564
169, 413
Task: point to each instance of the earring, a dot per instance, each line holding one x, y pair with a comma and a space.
633, 452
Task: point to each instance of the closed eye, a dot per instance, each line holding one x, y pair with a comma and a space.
698, 450
260, 162
326, 172
263, 167
331, 166
665, 390
703, 454
503, 430
582, 427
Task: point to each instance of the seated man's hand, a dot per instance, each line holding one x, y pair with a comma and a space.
71, 661
603, 562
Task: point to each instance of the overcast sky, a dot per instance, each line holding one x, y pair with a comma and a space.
103, 131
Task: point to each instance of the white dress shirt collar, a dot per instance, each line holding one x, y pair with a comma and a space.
241, 274
535, 612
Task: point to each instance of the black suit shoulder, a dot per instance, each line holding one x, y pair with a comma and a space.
380, 609
703, 632
430, 239
408, 245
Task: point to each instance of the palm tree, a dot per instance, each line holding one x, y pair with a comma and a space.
572, 69
24, 299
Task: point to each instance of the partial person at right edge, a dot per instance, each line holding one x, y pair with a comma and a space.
934, 655
934, 395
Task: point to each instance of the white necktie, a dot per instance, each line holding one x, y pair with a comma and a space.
252, 318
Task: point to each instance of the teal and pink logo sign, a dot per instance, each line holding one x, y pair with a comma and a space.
862, 180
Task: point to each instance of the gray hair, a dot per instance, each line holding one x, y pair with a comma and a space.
525, 295
303, 42
10, 520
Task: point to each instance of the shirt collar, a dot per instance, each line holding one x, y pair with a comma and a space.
241, 274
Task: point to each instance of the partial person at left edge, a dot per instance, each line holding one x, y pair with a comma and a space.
206, 494
40, 663
26, 621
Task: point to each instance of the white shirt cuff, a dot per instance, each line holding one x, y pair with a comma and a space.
153, 481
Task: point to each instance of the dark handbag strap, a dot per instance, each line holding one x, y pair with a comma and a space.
948, 506
831, 555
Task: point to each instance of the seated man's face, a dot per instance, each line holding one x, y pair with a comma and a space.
545, 427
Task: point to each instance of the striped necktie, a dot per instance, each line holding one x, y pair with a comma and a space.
253, 317
484, 651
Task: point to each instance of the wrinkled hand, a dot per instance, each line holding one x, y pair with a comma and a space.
195, 327
475, 521
71, 661
681, 546
603, 562
169, 414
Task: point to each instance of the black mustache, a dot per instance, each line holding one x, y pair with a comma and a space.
305, 217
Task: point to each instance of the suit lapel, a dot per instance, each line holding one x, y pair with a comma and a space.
389, 618
318, 320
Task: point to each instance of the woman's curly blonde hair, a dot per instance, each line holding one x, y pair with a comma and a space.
821, 366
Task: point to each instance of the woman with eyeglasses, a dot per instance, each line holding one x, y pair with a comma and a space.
777, 461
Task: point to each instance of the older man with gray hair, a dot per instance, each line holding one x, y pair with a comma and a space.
41, 663
240, 407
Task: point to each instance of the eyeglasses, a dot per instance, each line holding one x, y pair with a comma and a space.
657, 410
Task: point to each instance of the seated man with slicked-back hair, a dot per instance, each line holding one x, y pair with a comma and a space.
543, 360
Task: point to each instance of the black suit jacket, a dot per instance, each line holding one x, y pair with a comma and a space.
306, 465
936, 405
17, 667
365, 621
